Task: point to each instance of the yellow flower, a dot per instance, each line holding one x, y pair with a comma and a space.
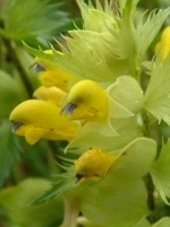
51, 94
36, 119
87, 101
162, 49
93, 163
50, 75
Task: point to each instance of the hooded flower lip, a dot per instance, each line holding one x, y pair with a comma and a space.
50, 75
51, 94
87, 101
16, 125
41, 119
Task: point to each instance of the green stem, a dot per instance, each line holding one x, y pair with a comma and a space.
148, 178
150, 199
13, 56
71, 212
114, 7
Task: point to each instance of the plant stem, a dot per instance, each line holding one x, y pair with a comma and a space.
71, 212
10, 46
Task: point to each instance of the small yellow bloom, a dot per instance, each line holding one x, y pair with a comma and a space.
87, 101
162, 49
56, 78
50, 75
36, 119
51, 94
93, 163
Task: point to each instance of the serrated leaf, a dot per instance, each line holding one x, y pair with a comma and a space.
121, 48
157, 96
108, 54
9, 151
86, 44
36, 20
96, 19
120, 197
122, 44
131, 5
161, 171
61, 183
145, 32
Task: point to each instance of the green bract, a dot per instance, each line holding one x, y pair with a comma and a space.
158, 92
160, 173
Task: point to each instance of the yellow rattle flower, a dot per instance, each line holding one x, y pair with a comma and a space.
36, 119
87, 101
50, 75
162, 49
93, 163
50, 94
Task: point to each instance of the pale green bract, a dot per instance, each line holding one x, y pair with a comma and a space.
146, 31
157, 96
121, 195
161, 171
127, 91
89, 136
97, 19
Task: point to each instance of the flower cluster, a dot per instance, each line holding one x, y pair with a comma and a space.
91, 95
59, 108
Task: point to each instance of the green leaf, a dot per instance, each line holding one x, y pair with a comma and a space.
121, 48
88, 45
17, 202
127, 5
11, 93
122, 44
161, 171
9, 151
26, 61
145, 32
143, 223
156, 99
99, 19
120, 197
62, 183
95, 50
35, 20
164, 222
